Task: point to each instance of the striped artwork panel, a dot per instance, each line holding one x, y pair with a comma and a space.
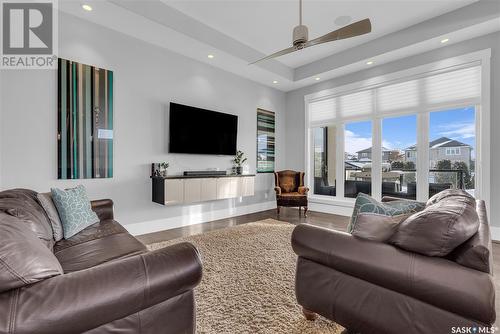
84, 121
265, 141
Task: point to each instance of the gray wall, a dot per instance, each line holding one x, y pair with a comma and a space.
147, 78
295, 137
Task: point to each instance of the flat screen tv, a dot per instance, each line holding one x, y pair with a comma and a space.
201, 131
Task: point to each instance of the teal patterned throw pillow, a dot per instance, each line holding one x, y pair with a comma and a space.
366, 203
74, 209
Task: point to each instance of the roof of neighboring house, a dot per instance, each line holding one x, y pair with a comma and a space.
440, 142
369, 149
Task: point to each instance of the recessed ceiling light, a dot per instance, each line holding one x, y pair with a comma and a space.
211, 56
444, 40
275, 81
86, 7
317, 78
369, 62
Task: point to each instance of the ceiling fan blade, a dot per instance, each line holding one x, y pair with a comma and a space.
352, 30
277, 54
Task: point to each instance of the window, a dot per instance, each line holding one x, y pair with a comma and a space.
358, 174
453, 151
383, 129
399, 173
452, 143
324, 160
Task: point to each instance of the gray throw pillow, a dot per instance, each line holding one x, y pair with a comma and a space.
75, 210
439, 228
365, 203
46, 202
376, 227
24, 259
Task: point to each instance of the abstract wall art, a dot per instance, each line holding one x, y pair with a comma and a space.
265, 141
84, 121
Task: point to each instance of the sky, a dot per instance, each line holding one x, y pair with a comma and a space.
401, 132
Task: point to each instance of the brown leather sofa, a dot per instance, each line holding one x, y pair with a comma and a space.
290, 190
110, 282
374, 287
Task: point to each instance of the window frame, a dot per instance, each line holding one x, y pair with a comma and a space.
482, 112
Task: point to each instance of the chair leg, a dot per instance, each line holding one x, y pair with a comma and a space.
305, 211
299, 210
309, 315
278, 210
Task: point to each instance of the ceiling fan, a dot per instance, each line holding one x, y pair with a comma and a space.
300, 36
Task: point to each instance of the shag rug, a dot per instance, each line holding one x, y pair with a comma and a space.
248, 281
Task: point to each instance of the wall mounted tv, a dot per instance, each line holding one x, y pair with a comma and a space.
200, 131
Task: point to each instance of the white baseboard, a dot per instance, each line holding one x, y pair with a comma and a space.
186, 220
495, 233
342, 208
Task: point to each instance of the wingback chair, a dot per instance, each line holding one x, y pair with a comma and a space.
290, 190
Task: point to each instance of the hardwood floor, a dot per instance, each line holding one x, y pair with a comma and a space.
291, 215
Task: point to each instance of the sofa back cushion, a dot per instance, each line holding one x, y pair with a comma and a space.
45, 200
440, 227
23, 204
24, 259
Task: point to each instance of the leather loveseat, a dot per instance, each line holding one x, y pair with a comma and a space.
109, 282
374, 287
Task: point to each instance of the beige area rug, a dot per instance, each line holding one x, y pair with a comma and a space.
248, 281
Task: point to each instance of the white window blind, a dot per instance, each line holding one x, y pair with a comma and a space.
455, 88
398, 96
356, 104
321, 112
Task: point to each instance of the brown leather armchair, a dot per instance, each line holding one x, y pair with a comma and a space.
290, 190
374, 287
102, 280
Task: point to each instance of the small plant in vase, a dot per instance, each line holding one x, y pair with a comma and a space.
163, 168
238, 161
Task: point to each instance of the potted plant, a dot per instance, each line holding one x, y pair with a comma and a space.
238, 162
163, 168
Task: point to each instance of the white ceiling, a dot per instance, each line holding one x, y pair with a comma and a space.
238, 32
267, 25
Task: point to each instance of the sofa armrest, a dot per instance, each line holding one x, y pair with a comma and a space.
278, 190
430, 279
80, 301
103, 208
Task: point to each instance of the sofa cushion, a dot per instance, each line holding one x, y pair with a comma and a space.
23, 204
375, 227
24, 259
447, 193
74, 209
96, 244
45, 200
365, 203
439, 228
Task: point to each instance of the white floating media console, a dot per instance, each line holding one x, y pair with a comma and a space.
173, 190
